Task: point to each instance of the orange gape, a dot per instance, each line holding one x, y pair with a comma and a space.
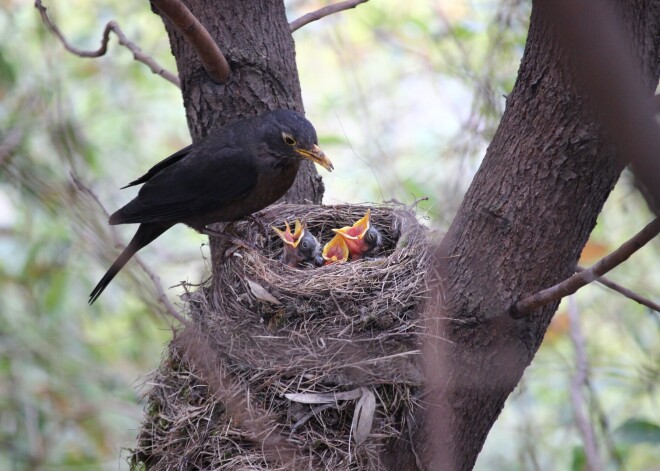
335, 251
300, 246
361, 238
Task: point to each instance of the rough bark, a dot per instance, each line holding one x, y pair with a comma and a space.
521, 228
256, 41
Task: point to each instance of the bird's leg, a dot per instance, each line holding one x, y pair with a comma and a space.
231, 239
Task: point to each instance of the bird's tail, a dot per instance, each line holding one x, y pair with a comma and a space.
145, 234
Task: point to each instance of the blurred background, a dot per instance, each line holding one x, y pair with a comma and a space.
406, 97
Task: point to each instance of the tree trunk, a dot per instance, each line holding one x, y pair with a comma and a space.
255, 38
521, 228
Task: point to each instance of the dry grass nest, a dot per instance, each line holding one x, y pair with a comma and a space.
294, 368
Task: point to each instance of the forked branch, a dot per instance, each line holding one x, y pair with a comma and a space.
323, 12
577, 281
625, 291
138, 55
198, 37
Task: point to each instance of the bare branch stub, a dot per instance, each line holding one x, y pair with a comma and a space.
569, 286
323, 12
198, 37
138, 55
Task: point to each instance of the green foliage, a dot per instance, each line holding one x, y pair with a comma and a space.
635, 431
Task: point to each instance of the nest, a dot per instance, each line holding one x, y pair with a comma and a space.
305, 368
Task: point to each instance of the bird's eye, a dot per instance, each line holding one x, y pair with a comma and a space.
304, 244
288, 138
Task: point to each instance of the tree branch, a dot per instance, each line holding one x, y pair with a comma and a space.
624, 291
579, 381
323, 12
10, 141
138, 55
198, 37
577, 281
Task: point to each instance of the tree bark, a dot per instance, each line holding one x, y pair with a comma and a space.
256, 41
521, 228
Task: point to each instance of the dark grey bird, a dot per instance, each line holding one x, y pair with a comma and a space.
300, 246
233, 172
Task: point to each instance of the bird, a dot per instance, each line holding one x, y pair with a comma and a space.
233, 172
300, 246
335, 251
361, 238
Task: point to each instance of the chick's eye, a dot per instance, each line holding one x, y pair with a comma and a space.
288, 138
304, 244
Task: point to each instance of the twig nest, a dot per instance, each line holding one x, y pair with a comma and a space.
332, 352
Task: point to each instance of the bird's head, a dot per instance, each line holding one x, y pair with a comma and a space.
300, 246
361, 238
290, 134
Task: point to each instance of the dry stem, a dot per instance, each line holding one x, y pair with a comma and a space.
577, 281
323, 12
138, 55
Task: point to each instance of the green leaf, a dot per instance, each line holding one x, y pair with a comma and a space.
7, 73
635, 431
579, 462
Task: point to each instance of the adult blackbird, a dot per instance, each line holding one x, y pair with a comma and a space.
233, 172
361, 238
300, 246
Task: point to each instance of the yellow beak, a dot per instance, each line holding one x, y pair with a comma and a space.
316, 155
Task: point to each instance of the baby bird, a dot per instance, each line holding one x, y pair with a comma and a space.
361, 238
300, 246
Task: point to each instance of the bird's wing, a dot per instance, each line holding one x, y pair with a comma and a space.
191, 187
172, 159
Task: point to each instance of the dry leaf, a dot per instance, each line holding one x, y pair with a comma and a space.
261, 293
324, 398
592, 252
363, 417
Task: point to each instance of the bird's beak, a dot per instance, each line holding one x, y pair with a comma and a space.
316, 155
335, 251
357, 230
285, 235
298, 232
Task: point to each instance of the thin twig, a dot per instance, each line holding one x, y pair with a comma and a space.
577, 281
624, 291
578, 382
162, 297
323, 12
138, 55
198, 37
11, 140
